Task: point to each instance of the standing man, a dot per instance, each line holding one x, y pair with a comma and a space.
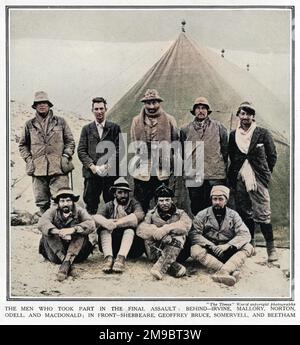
65, 228
164, 230
47, 146
214, 136
117, 224
253, 156
98, 176
220, 239
151, 128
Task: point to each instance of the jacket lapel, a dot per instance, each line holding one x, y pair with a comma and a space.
254, 139
106, 130
94, 131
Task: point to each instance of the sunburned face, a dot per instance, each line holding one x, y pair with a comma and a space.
201, 112
218, 201
164, 204
152, 106
245, 118
65, 204
122, 196
42, 108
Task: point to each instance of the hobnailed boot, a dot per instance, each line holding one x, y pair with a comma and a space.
228, 273
267, 232
107, 264
162, 265
119, 265
177, 270
64, 271
271, 251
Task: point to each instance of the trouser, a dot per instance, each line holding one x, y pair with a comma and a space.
93, 187
125, 245
144, 190
136, 249
200, 196
56, 250
46, 186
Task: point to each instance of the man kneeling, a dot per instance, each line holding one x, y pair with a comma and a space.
164, 230
220, 239
116, 228
65, 228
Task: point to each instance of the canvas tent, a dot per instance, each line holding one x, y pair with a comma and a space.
185, 72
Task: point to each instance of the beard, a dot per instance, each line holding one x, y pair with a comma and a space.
123, 201
66, 209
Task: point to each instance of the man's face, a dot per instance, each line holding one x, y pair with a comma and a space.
152, 106
99, 110
245, 118
122, 196
65, 204
218, 201
201, 112
164, 204
42, 108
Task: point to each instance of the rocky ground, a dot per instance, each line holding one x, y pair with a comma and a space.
32, 276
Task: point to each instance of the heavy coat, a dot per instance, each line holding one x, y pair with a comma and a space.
215, 140
261, 155
180, 223
80, 220
43, 152
206, 229
89, 140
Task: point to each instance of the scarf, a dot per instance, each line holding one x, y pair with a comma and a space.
166, 215
201, 126
44, 121
243, 139
119, 210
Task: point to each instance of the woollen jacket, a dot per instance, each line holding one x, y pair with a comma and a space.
44, 150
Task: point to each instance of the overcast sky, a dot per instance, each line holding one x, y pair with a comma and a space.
253, 30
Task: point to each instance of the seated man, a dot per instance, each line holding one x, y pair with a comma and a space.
65, 228
164, 230
116, 228
220, 239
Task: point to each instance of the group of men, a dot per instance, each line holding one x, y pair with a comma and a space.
218, 237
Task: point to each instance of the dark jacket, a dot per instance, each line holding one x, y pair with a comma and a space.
261, 155
80, 220
43, 152
89, 140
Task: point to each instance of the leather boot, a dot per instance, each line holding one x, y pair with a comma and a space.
119, 265
267, 232
64, 271
177, 270
107, 264
162, 265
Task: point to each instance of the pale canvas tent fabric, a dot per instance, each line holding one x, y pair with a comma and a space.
185, 72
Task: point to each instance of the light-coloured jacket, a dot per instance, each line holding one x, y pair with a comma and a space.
42, 151
206, 229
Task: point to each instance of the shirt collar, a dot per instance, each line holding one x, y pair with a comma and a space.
101, 125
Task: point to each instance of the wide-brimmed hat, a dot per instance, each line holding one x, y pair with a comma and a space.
220, 190
41, 96
67, 192
152, 95
200, 100
164, 191
120, 183
246, 105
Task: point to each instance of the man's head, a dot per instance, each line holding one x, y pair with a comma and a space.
219, 196
164, 198
41, 103
121, 190
99, 108
151, 101
65, 199
246, 114
201, 108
